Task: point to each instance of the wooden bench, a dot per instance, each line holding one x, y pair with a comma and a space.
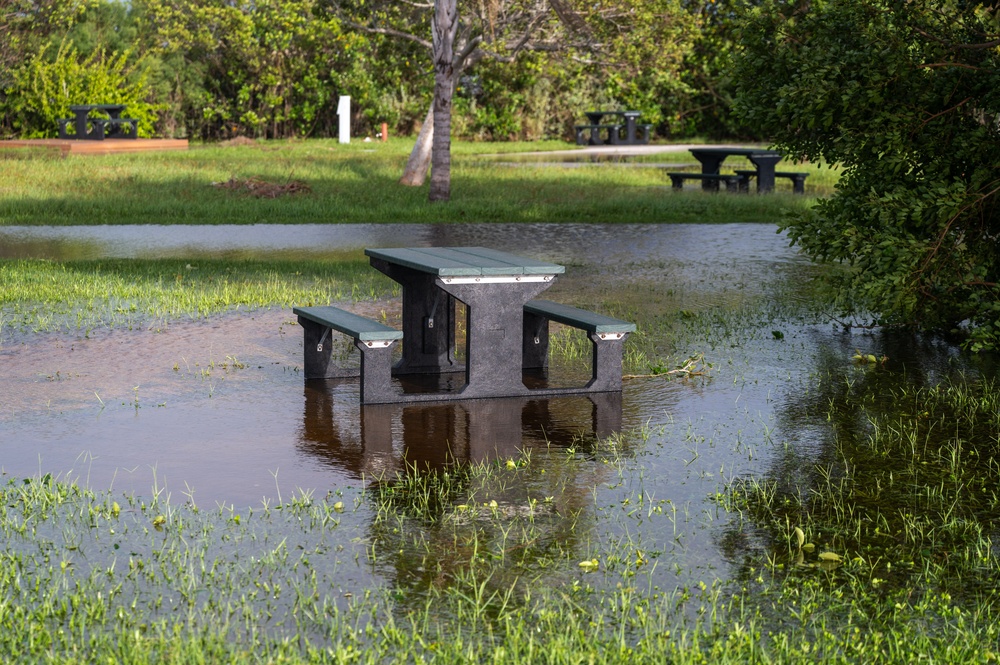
371, 338
595, 134
798, 180
709, 180
607, 335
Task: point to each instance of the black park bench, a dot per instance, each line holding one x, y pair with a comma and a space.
798, 180
371, 338
607, 335
732, 181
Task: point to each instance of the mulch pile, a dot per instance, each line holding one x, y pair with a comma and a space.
262, 189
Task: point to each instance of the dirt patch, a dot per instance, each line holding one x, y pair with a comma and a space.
239, 141
263, 189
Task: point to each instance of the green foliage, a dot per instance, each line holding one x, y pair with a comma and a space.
268, 68
44, 87
904, 96
645, 43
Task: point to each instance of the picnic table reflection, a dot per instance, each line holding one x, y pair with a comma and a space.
380, 439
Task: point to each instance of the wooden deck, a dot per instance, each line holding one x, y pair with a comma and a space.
105, 147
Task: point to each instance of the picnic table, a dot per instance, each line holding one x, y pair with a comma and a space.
763, 160
506, 329
635, 134
92, 128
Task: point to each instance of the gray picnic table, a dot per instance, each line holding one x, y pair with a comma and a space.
506, 329
764, 160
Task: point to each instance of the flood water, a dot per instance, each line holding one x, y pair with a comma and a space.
217, 411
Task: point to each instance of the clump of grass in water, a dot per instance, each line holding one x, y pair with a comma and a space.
900, 525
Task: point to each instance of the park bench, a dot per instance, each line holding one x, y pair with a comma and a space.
798, 180
732, 181
371, 338
595, 134
607, 335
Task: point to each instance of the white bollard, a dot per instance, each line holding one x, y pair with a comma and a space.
344, 111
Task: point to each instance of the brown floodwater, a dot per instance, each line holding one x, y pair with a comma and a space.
217, 411
218, 408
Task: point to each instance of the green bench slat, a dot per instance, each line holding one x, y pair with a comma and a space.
424, 262
580, 318
528, 266
356, 326
704, 176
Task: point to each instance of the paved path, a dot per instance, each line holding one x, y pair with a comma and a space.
625, 150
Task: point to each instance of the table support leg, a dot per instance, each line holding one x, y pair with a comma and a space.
427, 309
607, 362
495, 335
710, 165
376, 374
765, 171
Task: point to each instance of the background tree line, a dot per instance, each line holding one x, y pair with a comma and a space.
215, 69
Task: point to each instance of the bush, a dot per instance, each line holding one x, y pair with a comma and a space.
44, 87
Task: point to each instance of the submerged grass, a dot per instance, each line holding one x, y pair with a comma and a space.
354, 183
514, 561
45, 296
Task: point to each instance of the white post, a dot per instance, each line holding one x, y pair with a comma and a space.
344, 111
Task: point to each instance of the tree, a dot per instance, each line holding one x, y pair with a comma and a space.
445, 27
267, 68
905, 96
497, 29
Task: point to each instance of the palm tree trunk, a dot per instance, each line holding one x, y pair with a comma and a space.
445, 28
420, 157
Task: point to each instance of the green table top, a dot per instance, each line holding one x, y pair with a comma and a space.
464, 261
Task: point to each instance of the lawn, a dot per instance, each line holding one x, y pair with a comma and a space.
317, 181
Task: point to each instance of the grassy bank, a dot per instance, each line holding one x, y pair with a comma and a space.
325, 182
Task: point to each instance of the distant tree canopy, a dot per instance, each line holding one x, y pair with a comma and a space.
214, 69
906, 97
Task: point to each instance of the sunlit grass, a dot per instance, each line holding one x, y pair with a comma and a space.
40, 296
354, 183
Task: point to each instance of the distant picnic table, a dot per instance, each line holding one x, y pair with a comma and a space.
634, 133
89, 127
764, 161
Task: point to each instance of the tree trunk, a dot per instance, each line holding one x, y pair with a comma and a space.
420, 157
445, 28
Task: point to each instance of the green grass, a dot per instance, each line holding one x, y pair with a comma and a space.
47, 296
355, 183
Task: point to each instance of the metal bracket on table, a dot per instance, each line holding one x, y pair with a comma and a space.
497, 280
378, 343
319, 346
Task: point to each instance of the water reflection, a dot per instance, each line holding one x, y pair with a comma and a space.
375, 440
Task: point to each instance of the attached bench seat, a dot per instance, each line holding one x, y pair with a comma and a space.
709, 180
642, 133
595, 134
798, 180
371, 338
121, 128
607, 336
102, 128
